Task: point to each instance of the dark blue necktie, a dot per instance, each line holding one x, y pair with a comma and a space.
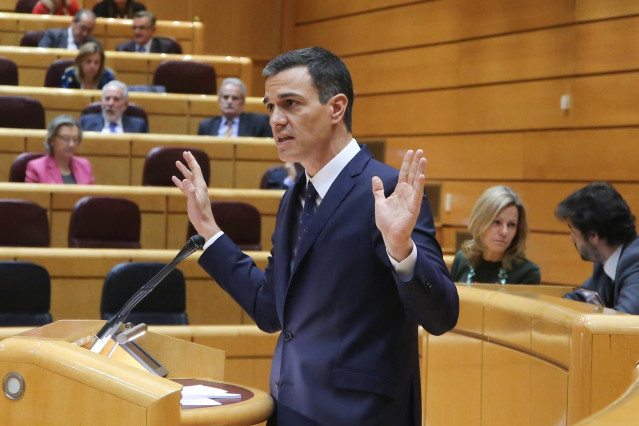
308, 212
112, 127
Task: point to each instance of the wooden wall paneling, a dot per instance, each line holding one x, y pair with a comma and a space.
559, 265
603, 46
309, 11
529, 55
11, 145
7, 5
605, 100
388, 29
586, 10
548, 394
405, 70
517, 106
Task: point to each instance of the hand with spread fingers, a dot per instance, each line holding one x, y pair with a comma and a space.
198, 204
396, 215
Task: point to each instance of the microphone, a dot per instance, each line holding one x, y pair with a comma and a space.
100, 340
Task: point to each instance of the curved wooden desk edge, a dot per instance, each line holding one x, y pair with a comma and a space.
622, 411
255, 410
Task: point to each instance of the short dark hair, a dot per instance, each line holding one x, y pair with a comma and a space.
599, 208
328, 73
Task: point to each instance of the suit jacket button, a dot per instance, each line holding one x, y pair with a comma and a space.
288, 336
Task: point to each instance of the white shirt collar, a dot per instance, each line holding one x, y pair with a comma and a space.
325, 177
71, 41
119, 128
610, 267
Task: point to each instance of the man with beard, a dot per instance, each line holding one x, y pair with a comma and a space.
115, 100
602, 228
234, 121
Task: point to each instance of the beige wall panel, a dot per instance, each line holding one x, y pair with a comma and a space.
561, 264
178, 225
500, 366
153, 230
454, 365
548, 394
321, 10
407, 69
222, 174
59, 226
86, 292
248, 171
586, 10
606, 100
522, 56
110, 170
533, 105
603, 46
421, 23
429, 23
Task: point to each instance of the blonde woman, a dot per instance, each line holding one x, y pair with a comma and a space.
496, 252
89, 71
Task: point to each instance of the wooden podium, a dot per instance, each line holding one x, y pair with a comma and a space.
63, 383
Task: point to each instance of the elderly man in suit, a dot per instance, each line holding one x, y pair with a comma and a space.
234, 121
143, 40
355, 265
72, 38
602, 228
115, 100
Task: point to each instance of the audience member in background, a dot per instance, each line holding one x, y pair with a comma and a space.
61, 165
89, 71
234, 121
496, 252
56, 7
602, 228
117, 8
283, 177
143, 40
73, 37
115, 100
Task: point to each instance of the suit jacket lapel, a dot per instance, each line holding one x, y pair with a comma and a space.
338, 191
52, 170
215, 128
242, 128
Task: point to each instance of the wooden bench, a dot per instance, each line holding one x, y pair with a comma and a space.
119, 159
169, 113
131, 68
164, 218
110, 32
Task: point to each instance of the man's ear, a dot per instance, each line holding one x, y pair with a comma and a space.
338, 105
593, 237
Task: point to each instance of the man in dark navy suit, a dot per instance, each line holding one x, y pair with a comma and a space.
234, 121
115, 100
72, 38
143, 40
355, 266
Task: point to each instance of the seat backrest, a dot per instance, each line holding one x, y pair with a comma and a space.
176, 48
105, 222
18, 170
240, 221
21, 112
25, 6
159, 165
132, 110
186, 77
8, 72
31, 38
24, 224
165, 305
25, 294
53, 77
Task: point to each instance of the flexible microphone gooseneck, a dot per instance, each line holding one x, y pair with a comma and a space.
105, 333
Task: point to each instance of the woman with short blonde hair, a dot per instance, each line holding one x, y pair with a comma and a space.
496, 251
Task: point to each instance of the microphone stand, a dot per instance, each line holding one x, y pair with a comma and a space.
102, 337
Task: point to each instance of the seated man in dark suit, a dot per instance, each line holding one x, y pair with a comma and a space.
115, 99
602, 228
143, 40
282, 177
234, 121
72, 38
